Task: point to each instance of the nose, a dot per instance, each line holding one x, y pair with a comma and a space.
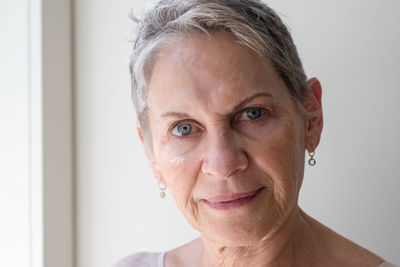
224, 155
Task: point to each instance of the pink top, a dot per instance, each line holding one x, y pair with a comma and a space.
147, 259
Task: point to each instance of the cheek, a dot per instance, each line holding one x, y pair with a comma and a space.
180, 172
173, 167
281, 156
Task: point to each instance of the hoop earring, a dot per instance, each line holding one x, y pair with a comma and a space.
162, 188
311, 161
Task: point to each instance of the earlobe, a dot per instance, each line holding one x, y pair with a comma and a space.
314, 121
159, 177
156, 171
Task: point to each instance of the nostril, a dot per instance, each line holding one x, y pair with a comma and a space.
242, 161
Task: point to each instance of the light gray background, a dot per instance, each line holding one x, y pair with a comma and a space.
351, 46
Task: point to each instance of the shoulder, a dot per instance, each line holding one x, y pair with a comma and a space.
141, 259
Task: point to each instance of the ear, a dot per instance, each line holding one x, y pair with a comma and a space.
156, 171
313, 123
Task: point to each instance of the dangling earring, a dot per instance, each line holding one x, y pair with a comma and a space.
311, 161
162, 188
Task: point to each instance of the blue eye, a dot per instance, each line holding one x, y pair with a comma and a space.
182, 129
251, 114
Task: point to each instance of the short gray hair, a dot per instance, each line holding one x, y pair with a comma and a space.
252, 23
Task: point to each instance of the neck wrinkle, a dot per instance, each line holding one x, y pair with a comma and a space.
282, 248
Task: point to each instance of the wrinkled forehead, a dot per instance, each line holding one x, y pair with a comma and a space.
210, 67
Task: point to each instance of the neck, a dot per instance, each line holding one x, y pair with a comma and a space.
283, 248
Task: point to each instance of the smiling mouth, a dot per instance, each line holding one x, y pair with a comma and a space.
232, 201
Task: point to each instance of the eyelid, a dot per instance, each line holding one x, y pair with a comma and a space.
195, 128
240, 112
176, 123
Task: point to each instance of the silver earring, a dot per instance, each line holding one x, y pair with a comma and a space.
162, 188
311, 161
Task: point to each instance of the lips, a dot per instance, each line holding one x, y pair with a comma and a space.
224, 202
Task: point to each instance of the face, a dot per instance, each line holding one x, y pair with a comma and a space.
227, 138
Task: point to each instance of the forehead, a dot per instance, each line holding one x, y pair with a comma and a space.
211, 69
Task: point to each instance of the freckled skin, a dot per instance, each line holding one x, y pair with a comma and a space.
203, 79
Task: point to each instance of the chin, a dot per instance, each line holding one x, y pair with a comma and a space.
246, 225
241, 231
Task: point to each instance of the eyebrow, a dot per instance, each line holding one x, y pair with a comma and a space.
249, 99
240, 105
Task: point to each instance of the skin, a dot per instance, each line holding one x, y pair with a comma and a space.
210, 83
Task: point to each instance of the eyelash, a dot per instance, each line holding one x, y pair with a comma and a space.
264, 112
181, 122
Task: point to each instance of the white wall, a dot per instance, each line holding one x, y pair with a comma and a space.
351, 46
14, 135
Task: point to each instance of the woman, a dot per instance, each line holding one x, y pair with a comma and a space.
225, 113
